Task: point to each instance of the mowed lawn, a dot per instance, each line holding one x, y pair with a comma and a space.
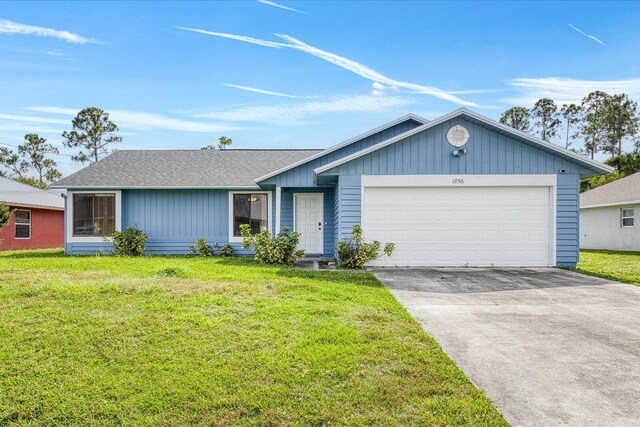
110, 340
620, 266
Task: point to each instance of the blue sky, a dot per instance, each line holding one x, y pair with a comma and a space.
297, 74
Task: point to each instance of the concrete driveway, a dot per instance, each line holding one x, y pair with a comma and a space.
549, 347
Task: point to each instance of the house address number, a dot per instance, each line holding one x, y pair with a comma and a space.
457, 181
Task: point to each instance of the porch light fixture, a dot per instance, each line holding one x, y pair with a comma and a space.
252, 199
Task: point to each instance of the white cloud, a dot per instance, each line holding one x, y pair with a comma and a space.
144, 121
21, 127
587, 35
9, 27
565, 90
291, 113
280, 6
378, 86
340, 61
33, 119
265, 92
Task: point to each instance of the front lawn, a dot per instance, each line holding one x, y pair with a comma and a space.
620, 266
111, 340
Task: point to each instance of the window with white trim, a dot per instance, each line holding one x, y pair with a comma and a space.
627, 217
94, 214
22, 223
251, 209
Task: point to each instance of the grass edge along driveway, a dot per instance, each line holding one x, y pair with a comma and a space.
109, 340
613, 265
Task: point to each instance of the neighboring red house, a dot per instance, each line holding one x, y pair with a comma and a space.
37, 217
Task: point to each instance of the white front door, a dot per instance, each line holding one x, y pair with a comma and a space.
309, 221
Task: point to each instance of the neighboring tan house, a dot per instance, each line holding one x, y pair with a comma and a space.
459, 190
609, 216
37, 217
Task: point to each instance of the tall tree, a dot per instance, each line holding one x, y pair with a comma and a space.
626, 164
547, 118
92, 131
572, 116
518, 118
35, 150
620, 122
593, 121
224, 142
16, 165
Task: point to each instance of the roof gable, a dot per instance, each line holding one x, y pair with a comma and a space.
588, 167
412, 119
623, 191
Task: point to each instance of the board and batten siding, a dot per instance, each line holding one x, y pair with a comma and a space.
173, 220
303, 176
286, 213
488, 152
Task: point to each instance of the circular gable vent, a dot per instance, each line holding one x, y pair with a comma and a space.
458, 136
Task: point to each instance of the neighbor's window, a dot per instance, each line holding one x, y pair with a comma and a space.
627, 217
251, 209
94, 214
23, 224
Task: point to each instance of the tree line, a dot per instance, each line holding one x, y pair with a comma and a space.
92, 134
601, 123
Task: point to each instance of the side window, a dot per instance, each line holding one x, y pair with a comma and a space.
23, 224
627, 217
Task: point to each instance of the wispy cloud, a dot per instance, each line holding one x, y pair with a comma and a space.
348, 64
566, 90
292, 113
280, 6
265, 92
29, 128
587, 35
33, 119
10, 27
144, 121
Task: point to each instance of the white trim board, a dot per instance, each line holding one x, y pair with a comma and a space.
550, 181
611, 204
592, 164
155, 187
344, 144
236, 239
69, 237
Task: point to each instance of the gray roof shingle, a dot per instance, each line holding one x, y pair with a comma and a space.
182, 168
17, 194
621, 191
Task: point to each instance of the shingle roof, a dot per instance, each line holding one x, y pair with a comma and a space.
621, 191
182, 168
17, 194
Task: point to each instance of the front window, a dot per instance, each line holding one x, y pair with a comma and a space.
627, 217
94, 214
251, 209
23, 224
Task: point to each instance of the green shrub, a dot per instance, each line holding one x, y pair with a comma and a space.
171, 272
5, 214
278, 250
130, 241
225, 251
355, 253
201, 248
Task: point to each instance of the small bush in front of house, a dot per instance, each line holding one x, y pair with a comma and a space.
131, 241
270, 250
225, 251
355, 253
201, 248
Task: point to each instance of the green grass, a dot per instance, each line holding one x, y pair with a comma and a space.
192, 341
620, 266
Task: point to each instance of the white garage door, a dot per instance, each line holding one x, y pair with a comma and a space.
457, 226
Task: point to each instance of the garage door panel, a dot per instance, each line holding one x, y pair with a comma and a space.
452, 226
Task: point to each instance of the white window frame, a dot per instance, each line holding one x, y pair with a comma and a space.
623, 217
236, 239
69, 221
15, 224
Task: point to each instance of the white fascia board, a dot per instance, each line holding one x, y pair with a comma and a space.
610, 204
26, 205
155, 187
460, 111
461, 180
343, 144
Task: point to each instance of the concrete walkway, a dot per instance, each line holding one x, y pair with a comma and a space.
549, 347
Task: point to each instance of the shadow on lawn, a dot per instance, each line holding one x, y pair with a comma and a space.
33, 253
